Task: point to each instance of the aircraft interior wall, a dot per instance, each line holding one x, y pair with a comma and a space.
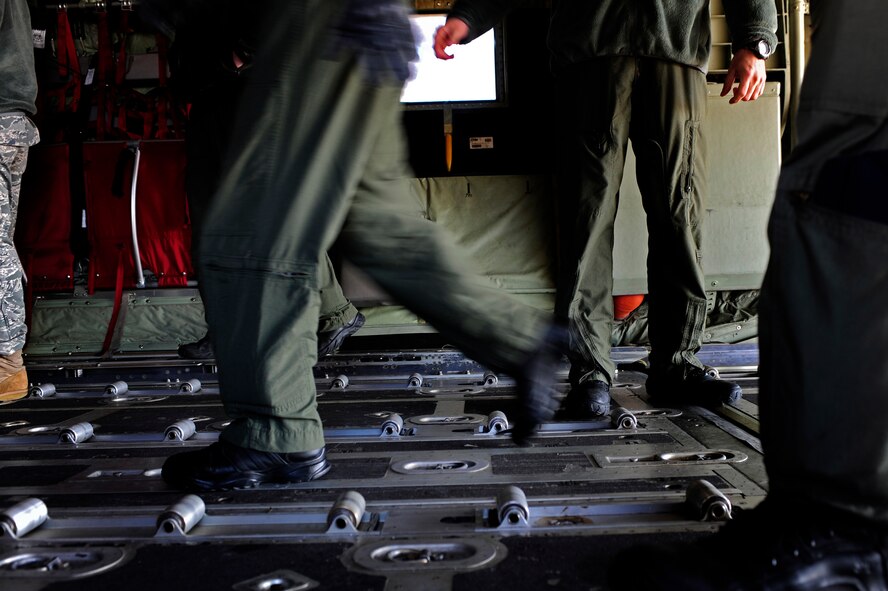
427, 491
491, 195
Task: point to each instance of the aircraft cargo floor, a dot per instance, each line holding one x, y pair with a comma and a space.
427, 491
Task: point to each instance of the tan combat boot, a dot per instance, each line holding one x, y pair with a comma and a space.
13, 377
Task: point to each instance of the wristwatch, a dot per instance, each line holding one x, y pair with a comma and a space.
761, 48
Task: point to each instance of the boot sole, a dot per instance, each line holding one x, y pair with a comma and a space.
340, 337
595, 413
680, 397
282, 475
14, 395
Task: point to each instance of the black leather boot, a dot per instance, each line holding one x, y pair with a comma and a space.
696, 386
536, 385
223, 466
200, 349
330, 341
587, 401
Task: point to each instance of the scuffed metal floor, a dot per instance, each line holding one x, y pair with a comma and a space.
427, 490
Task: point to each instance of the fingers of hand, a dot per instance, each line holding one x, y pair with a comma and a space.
729, 82
443, 40
741, 92
754, 89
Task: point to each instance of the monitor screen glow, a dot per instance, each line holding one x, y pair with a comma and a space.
470, 77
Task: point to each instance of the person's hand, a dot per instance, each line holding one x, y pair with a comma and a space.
450, 33
749, 72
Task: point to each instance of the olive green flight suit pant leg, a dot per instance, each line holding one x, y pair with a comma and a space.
320, 146
659, 106
335, 309
210, 124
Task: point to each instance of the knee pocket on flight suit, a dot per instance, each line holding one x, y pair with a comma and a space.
676, 187
690, 154
688, 215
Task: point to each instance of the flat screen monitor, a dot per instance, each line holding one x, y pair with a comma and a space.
473, 78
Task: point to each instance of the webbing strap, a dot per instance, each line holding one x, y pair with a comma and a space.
67, 53
103, 68
131, 105
118, 301
69, 64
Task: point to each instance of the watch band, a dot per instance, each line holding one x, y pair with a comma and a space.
761, 48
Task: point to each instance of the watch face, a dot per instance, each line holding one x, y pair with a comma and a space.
764, 49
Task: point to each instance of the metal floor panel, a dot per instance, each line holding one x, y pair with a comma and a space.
420, 437
566, 563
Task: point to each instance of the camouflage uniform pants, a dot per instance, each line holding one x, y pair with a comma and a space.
17, 134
